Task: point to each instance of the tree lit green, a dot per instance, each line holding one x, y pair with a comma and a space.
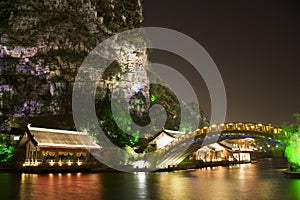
292, 151
6, 152
153, 98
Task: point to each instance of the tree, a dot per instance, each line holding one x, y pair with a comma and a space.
6, 149
291, 138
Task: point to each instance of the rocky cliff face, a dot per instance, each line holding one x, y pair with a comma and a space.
43, 43
67, 24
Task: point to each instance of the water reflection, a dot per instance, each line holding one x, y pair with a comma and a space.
60, 186
9, 186
263, 180
141, 185
295, 188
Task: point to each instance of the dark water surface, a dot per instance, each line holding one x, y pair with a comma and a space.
263, 180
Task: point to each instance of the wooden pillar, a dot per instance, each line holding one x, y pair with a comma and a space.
56, 157
74, 156
27, 152
87, 156
31, 155
36, 154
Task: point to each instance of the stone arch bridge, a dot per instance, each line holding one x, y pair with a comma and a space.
183, 146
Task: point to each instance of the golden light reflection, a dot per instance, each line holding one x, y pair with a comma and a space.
58, 186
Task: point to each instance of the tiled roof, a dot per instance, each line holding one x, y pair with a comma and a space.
44, 137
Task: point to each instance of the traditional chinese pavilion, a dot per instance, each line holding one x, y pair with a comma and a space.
52, 147
164, 138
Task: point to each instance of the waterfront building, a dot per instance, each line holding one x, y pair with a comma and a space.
52, 147
213, 153
164, 138
227, 150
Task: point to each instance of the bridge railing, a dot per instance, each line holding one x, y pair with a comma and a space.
257, 127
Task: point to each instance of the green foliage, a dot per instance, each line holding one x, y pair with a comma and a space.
166, 98
119, 137
192, 115
292, 150
159, 95
153, 98
6, 152
291, 139
109, 126
278, 151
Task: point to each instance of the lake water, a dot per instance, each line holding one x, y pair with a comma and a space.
263, 180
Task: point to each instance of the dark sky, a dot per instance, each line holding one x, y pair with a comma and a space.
255, 44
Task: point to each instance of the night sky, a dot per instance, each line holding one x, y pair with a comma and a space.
255, 44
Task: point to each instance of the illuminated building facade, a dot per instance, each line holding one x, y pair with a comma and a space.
52, 147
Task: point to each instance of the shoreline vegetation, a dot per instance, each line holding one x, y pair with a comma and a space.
292, 174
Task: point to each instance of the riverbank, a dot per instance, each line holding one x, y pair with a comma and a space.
200, 164
10, 167
292, 174
63, 169
13, 167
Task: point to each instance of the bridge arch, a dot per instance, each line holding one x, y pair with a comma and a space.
171, 154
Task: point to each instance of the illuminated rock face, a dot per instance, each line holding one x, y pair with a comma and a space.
135, 80
68, 24
44, 42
